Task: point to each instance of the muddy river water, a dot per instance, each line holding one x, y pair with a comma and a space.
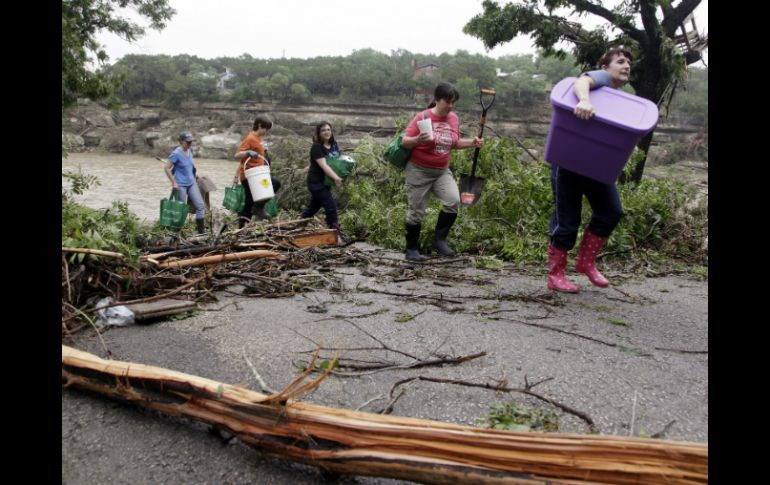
139, 180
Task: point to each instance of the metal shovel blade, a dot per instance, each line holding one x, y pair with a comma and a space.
470, 189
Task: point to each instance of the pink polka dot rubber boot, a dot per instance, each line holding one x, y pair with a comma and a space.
586, 260
557, 263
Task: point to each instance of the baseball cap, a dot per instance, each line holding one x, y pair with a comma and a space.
186, 136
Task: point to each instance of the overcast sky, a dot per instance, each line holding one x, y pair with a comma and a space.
303, 28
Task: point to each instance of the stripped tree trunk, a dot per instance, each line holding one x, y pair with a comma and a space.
388, 446
219, 258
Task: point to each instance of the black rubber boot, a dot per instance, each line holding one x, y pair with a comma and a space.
413, 243
445, 222
200, 226
258, 210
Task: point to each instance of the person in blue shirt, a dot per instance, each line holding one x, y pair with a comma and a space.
181, 171
569, 188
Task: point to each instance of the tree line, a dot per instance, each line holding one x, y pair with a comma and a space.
649, 28
366, 75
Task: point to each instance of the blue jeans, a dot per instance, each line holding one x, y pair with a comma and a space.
194, 193
321, 196
568, 190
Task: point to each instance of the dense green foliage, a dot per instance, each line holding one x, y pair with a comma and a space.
510, 221
511, 218
637, 25
364, 76
115, 229
81, 21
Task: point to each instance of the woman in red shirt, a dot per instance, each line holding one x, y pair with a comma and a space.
428, 170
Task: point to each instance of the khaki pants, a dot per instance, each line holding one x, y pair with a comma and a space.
420, 182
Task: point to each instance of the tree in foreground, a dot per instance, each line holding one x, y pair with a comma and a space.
81, 20
648, 28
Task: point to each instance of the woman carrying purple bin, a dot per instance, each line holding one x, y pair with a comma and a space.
569, 188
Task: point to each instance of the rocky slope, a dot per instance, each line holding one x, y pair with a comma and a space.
149, 128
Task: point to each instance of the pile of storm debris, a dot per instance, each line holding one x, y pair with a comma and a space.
269, 261
283, 259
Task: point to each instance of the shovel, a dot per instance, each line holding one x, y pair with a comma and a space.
470, 185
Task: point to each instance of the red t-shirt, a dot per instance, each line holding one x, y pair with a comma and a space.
251, 142
446, 134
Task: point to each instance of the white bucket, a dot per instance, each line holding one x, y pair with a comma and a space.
260, 185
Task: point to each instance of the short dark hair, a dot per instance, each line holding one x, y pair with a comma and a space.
263, 121
606, 59
317, 136
446, 92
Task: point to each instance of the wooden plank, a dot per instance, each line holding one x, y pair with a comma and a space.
159, 308
322, 237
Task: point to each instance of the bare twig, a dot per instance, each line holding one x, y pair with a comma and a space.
259, 379
374, 367
622, 292
384, 346
683, 351
501, 388
153, 298
98, 333
554, 329
439, 297
67, 278
378, 398
389, 407
662, 433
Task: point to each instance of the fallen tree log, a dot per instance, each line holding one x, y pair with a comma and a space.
370, 444
95, 252
219, 258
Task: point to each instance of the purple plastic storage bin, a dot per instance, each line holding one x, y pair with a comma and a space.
597, 148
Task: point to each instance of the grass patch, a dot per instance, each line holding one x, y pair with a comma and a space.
404, 317
634, 351
596, 308
488, 262
181, 316
485, 308
516, 417
618, 322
